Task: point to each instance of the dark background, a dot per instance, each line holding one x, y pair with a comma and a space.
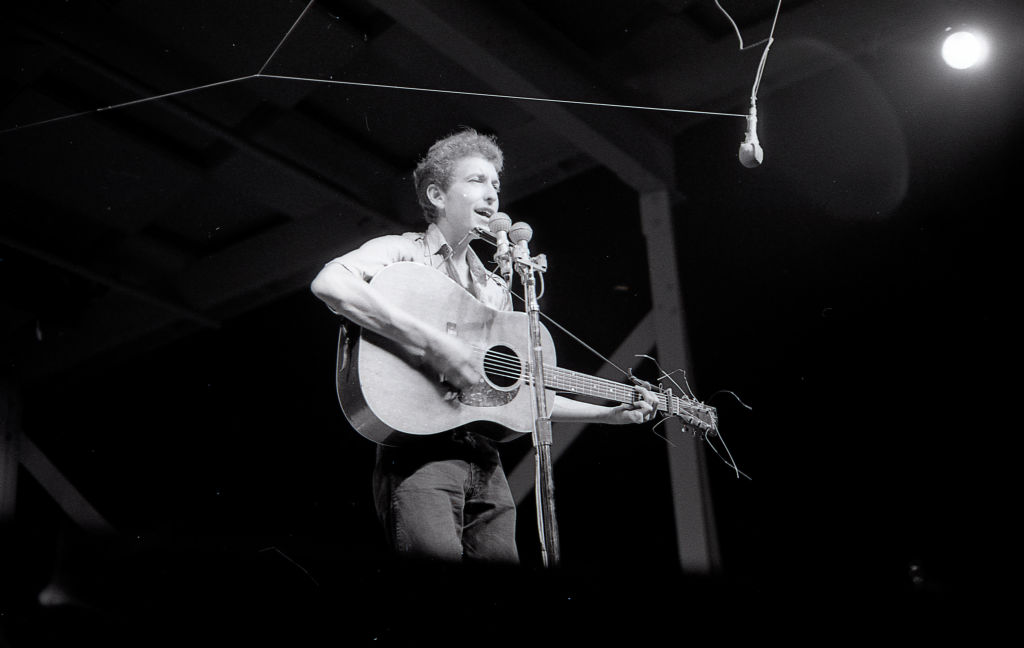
854, 291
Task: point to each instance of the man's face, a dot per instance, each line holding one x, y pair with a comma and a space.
472, 197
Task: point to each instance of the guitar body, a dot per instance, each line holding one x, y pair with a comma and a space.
389, 398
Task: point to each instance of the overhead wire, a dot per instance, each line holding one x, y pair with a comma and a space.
260, 74
768, 43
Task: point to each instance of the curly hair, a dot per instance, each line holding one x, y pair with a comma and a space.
437, 165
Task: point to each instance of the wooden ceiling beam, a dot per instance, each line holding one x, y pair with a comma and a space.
509, 59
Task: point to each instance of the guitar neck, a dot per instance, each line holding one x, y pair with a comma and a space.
691, 411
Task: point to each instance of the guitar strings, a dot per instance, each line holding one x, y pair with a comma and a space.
508, 366
730, 462
507, 369
627, 394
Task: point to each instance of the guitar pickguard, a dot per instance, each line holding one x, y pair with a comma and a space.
483, 395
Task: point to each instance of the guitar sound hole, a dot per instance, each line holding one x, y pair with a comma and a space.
502, 367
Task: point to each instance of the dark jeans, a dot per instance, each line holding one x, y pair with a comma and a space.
446, 497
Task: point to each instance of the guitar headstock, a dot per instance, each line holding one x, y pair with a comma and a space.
699, 419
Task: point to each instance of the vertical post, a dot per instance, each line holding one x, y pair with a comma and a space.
695, 536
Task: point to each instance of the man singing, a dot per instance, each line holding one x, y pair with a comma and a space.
445, 496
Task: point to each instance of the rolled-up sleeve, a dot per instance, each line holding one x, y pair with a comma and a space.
374, 255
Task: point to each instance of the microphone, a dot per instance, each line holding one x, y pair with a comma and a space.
500, 224
751, 154
520, 234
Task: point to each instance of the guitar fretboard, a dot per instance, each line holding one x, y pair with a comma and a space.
566, 380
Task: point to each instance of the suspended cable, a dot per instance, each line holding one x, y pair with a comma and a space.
125, 104
261, 75
287, 34
498, 96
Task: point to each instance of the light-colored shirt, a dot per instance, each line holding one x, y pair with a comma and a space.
429, 248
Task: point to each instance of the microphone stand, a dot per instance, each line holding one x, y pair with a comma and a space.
527, 268
550, 551
545, 486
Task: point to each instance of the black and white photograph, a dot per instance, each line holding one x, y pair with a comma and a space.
536, 322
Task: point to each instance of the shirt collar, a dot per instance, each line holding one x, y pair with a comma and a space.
439, 247
436, 243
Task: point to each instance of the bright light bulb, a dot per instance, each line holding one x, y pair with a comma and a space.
962, 50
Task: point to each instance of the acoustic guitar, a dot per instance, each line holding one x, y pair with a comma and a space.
388, 396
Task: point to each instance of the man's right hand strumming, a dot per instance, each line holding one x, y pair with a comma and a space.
453, 360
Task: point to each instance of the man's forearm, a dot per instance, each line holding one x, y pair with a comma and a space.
354, 299
567, 410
